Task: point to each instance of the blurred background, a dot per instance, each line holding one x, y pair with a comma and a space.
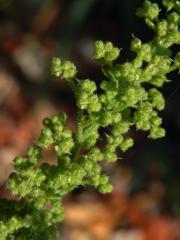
145, 204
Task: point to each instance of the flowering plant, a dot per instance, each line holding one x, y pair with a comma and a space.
128, 96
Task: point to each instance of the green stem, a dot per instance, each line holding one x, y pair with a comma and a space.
75, 150
77, 145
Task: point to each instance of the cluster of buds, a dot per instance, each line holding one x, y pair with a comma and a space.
64, 69
122, 100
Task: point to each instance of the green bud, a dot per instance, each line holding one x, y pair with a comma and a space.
66, 134
158, 81
112, 55
99, 50
164, 64
153, 11
157, 132
34, 152
106, 118
120, 128
162, 28
106, 51
149, 10
177, 60
128, 71
88, 166
69, 70
82, 100
143, 125
116, 117
106, 188
94, 180
114, 140
96, 169
126, 144
95, 154
13, 179
104, 179
91, 140
157, 99
108, 46
145, 52
135, 44
88, 86
45, 138
64, 146
59, 119
174, 17
65, 69
56, 68
156, 121
19, 160
110, 156
169, 4
94, 104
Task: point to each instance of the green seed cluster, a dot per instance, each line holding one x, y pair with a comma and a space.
128, 96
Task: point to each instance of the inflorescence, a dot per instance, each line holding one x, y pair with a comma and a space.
129, 97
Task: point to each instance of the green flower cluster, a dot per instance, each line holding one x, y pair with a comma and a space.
128, 96
170, 4
86, 97
106, 52
64, 69
167, 30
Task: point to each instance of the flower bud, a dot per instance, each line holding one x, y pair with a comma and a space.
99, 50
162, 28
126, 144
157, 132
69, 70
135, 44
149, 10
56, 68
106, 188
157, 99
